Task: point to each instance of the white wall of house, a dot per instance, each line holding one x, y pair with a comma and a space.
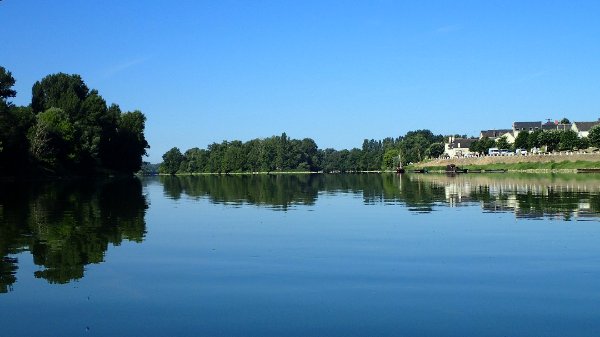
510, 138
460, 150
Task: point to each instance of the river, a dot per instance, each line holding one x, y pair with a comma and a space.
302, 255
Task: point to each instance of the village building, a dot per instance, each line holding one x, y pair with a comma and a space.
525, 127
493, 134
499, 133
458, 147
583, 128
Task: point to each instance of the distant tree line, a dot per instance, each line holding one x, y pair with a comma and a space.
67, 129
281, 153
551, 140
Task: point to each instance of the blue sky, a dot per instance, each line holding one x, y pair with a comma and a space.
335, 71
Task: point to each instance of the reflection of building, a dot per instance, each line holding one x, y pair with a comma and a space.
526, 198
457, 194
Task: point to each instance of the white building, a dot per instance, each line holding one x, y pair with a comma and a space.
458, 147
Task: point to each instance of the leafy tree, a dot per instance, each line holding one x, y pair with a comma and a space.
583, 143
233, 159
51, 139
502, 143
568, 140
390, 159
522, 141
171, 161
63, 91
196, 160
435, 150
7, 81
533, 140
131, 143
550, 139
594, 136
14, 124
482, 146
68, 128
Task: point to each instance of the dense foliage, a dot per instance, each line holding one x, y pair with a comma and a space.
551, 140
67, 128
281, 153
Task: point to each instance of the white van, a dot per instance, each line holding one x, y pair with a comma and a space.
493, 151
521, 152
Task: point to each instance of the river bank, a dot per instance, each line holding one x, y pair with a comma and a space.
548, 163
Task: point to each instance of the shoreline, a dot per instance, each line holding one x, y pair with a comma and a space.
551, 163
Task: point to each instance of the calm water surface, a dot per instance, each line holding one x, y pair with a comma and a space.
306, 255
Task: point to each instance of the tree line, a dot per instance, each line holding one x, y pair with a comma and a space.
67, 129
281, 153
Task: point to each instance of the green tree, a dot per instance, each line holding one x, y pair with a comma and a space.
7, 81
522, 141
196, 160
594, 136
502, 143
533, 140
233, 159
550, 139
63, 91
568, 140
309, 154
482, 145
390, 159
435, 150
583, 143
14, 125
51, 139
171, 161
131, 143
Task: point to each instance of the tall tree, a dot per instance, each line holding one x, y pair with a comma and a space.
568, 140
63, 91
522, 141
7, 81
14, 125
171, 161
131, 142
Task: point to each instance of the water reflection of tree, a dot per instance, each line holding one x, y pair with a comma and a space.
529, 196
67, 225
278, 191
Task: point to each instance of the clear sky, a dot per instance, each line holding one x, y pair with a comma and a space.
335, 71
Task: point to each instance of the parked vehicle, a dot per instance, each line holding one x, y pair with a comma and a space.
493, 151
505, 152
521, 152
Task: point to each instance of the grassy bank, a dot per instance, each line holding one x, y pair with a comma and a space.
548, 163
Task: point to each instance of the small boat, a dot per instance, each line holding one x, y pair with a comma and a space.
494, 171
400, 168
453, 169
419, 171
